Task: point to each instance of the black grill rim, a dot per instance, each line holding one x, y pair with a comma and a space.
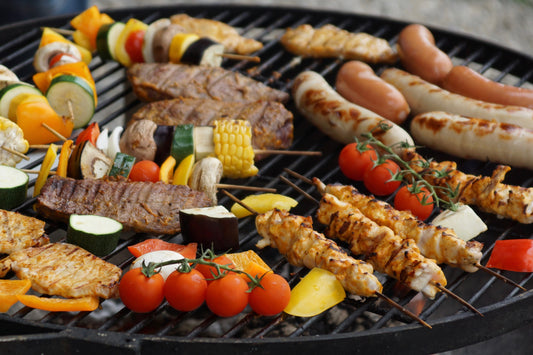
447, 333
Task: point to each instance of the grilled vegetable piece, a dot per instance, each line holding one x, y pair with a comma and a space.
87, 304
158, 256
149, 34
122, 165
206, 174
121, 53
295, 238
11, 95
513, 255
464, 222
203, 51
13, 187
159, 81
96, 234
262, 203
88, 162
178, 46
233, 147
138, 140
62, 164
183, 171
46, 166
330, 41
182, 142
65, 270
7, 77
107, 38
388, 253
50, 36
144, 207
9, 289
219, 32
12, 137
18, 231
43, 56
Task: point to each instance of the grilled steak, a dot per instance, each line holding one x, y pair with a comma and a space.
272, 126
18, 232
143, 207
65, 270
160, 81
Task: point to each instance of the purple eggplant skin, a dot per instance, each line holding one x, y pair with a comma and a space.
210, 230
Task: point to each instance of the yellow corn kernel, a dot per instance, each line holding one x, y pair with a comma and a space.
233, 147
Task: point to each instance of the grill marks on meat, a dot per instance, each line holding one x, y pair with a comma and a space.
143, 207
388, 253
160, 81
438, 243
295, 238
330, 41
18, 231
64, 270
272, 123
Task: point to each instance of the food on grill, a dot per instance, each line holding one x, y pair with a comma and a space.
87, 24
88, 162
357, 83
420, 56
330, 41
129, 38
340, 119
47, 55
513, 255
440, 244
13, 187
96, 234
7, 77
464, 222
387, 252
18, 231
488, 193
474, 138
81, 304
158, 256
12, 94
465, 81
263, 203
144, 207
160, 81
11, 138
423, 96
9, 289
219, 32
49, 36
107, 38
205, 176
122, 165
65, 270
46, 166
296, 239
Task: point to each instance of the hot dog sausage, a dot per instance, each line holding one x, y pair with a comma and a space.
466, 81
424, 97
338, 118
474, 138
419, 55
357, 82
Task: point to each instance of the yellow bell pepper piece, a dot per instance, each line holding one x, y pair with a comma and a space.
166, 172
46, 166
263, 203
184, 171
62, 164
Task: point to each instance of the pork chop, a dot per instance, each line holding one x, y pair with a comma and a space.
18, 231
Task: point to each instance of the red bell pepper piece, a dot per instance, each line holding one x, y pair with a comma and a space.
512, 255
90, 134
188, 251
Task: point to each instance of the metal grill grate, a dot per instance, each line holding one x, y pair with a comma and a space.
358, 325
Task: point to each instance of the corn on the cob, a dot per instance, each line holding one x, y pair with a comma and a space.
12, 137
233, 147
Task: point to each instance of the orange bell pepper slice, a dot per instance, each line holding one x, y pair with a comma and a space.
62, 164
9, 289
88, 22
89, 303
46, 166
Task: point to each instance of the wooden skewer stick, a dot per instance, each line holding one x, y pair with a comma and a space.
499, 276
62, 31
456, 297
14, 152
28, 171
244, 187
378, 294
54, 132
39, 146
287, 152
254, 59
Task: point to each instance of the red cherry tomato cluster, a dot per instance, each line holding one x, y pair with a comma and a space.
361, 162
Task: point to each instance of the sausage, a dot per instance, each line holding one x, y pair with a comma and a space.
423, 96
466, 81
358, 83
419, 55
340, 119
474, 138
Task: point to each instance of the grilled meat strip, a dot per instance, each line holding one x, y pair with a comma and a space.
219, 32
143, 207
488, 193
272, 123
65, 270
330, 41
438, 243
160, 81
18, 231
295, 238
388, 253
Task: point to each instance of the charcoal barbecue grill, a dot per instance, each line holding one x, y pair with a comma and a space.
355, 325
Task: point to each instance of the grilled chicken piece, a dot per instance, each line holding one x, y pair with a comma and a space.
488, 193
438, 243
64, 270
219, 32
18, 232
160, 81
295, 238
329, 41
144, 207
388, 253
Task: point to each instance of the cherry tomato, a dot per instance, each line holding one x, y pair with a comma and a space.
185, 291
273, 297
227, 296
144, 170
420, 203
354, 163
210, 271
133, 46
377, 179
140, 293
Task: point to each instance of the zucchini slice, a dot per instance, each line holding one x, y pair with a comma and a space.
15, 92
107, 38
71, 95
96, 234
122, 165
13, 187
